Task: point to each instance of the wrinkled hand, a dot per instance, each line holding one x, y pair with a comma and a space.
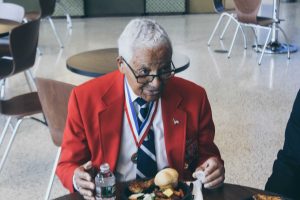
84, 181
214, 173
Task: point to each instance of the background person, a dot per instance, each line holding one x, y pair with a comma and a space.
286, 169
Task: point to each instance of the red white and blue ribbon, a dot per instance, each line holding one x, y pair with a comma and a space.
139, 134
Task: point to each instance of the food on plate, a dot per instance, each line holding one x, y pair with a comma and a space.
138, 186
135, 196
266, 197
163, 187
166, 178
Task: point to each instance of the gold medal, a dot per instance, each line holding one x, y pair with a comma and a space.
134, 158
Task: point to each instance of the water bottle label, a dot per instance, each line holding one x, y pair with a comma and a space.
108, 191
98, 192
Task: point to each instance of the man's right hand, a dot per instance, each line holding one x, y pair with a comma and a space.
84, 181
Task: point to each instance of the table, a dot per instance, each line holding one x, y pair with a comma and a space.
6, 26
102, 61
227, 192
275, 46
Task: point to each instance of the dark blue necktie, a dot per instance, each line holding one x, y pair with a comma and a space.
146, 158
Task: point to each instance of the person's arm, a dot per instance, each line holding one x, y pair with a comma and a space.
210, 159
291, 146
287, 165
74, 152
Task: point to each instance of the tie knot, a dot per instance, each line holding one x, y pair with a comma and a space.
140, 101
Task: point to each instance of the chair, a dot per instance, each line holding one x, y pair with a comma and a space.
54, 97
247, 11
63, 6
230, 17
47, 8
19, 107
23, 42
12, 12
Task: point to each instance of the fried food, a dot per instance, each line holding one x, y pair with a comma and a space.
138, 186
135, 196
163, 187
265, 197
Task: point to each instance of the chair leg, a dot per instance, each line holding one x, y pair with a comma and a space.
69, 20
225, 28
5, 130
286, 40
39, 52
52, 174
55, 32
2, 85
244, 37
233, 40
216, 27
265, 45
30, 80
10, 143
256, 40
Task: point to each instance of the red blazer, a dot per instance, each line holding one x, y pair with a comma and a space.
94, 126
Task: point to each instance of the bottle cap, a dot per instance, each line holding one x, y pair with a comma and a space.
104, 167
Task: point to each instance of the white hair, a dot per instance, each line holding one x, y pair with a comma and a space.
142, 32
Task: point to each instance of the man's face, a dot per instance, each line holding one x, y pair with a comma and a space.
147, 61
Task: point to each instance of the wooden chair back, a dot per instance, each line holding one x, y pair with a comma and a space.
54, 97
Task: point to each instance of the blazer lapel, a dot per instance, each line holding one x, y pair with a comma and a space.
174, 120
111, 120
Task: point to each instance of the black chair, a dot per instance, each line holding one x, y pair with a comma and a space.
23, 42
13, 12
47, 8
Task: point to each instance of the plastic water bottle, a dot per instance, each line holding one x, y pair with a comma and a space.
105, 182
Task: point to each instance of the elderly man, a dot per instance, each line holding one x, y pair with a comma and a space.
139, 119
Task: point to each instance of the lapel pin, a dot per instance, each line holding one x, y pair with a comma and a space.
175, 121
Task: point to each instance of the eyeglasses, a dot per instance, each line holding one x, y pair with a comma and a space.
149, 78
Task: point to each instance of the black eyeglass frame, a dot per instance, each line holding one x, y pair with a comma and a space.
137, 77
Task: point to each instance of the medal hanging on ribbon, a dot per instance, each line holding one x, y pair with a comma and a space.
139, 138
134, 158
139, 134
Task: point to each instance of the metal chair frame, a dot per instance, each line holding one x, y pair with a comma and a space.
69, 20
252, 20
253, 25
231, 18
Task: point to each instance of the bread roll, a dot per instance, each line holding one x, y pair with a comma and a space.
166, 178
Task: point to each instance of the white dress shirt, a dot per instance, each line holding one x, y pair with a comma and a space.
126, 169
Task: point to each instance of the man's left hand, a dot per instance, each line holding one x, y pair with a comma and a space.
214, 173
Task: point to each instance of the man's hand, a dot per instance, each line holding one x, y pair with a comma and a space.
214, 173
84, 181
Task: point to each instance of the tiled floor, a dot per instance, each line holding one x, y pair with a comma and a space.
250, 103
